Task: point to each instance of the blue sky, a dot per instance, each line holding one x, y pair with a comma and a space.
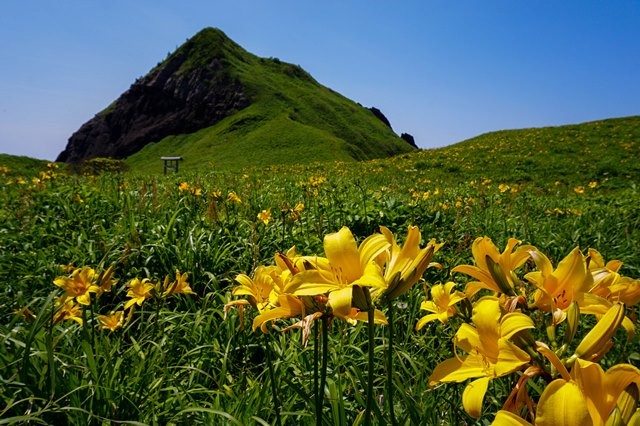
442, 71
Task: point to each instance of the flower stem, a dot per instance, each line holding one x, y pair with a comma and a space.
272, 379
390, 365
370, 323
325, 357
316, 360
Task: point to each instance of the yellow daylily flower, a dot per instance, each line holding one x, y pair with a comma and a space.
346, 264
490, 353
259, 288
179, 286
265, 216
139, 291
112, 321
270, 290
80, 285
625, 290
604, 274
557, 289
105, 281
232, 196
487, 273
68, 310
442, 304
288, 306
608, 283
587, 396
405, 266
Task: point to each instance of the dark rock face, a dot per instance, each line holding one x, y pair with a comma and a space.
380, 116
408, 139
172, 99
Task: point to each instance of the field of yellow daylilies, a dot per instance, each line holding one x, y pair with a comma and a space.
384, 292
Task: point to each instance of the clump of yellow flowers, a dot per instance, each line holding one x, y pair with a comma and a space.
83, 287
519, 316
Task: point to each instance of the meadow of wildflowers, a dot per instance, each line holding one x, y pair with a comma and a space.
385, 292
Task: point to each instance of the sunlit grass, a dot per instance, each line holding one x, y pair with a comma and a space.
179, 361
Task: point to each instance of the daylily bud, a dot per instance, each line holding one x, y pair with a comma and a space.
625, 408
411, 275
466, 308
595, 342
360, 298
394, 282
573, 320
551, 333
515, 280
635, 418
499, 276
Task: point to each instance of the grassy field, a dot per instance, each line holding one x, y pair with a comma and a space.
176, 359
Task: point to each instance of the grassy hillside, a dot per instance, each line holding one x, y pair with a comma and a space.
67, 362
593, 151
597, 151
292, 118
21, 166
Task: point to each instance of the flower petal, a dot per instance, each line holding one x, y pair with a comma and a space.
425, 320
486, 317
507, 418
483, 276
513, 322
562, 403
342, 251
467, 338
510, 358
458, 369
340, 302
371, 247
616, 379
473, 396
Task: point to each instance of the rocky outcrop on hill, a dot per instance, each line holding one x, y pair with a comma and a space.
409, 139
176, 97
380, 116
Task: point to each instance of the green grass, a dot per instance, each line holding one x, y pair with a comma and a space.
22, 166
592, 151
181, 362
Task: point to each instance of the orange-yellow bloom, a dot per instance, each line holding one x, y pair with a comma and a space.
179, 286
139, 291
570, 281
587, 396
112, 321
269, 290
490, 353
234, 197
346, 265
265, 216
608, 283
405, 266
79, 286
105, 281
494, 270
442, 305
67, 310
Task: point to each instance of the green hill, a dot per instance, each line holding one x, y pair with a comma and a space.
260, 112
606, 149
14, 165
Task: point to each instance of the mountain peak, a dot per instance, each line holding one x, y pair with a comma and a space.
209, 80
